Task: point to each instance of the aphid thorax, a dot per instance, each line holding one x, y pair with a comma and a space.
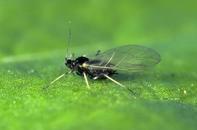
82, 65
76, 65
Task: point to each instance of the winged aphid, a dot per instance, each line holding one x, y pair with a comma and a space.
127, 58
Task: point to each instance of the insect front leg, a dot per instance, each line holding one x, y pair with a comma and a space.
58, 78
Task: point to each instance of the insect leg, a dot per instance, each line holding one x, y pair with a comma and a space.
56, 79
116, 82
86, 80
98, 52
95, 78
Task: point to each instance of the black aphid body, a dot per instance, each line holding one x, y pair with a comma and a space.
127, 58
80, 66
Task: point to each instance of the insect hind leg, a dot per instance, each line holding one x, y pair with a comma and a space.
113, 80
116, 82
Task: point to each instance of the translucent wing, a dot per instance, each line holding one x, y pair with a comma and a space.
131, 58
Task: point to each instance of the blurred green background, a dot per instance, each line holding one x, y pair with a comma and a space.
37, 26
32, 49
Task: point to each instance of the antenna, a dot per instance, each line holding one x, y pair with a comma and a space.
69, 36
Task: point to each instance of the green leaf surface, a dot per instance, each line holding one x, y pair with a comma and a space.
165, 98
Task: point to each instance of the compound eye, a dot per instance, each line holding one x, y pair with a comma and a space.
68, 62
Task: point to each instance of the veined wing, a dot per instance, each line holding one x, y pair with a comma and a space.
132, 58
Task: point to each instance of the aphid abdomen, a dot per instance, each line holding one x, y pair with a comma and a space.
99, 73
